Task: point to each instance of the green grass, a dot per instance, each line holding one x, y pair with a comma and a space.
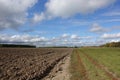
74, 67
110, 57
94, 73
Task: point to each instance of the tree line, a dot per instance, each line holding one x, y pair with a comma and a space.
17, 46
112, 44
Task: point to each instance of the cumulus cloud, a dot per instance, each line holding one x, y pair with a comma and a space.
68, 8
38, 17
63, 40
111, 36
4, 38
115, 40
65, 35
97, 28
77, 38
13, 12
74, 36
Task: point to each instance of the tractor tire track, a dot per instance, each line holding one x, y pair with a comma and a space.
81, 67
102, 67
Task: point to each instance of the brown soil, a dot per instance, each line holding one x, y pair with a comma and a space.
29, 64
60, 71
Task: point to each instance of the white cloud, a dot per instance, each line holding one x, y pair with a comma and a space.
65, 35
74, 36
38, 17
97, 28
71, 40
113, 13
13, 12
21, 38
111, 20
63, 40
68, 8
114, 40
111, 36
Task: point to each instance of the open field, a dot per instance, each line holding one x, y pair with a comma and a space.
29, 64
60, 63
95, 64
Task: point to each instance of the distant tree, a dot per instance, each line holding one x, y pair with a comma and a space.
75, 47
16, 45
112, 44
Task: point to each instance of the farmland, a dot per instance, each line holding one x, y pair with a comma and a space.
29, 63
91, 63
95, 64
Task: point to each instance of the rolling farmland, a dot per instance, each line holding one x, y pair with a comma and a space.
29, 63
95, 64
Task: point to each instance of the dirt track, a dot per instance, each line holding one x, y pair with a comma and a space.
60, 71
82, 68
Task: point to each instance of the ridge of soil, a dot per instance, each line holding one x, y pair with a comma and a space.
60, 70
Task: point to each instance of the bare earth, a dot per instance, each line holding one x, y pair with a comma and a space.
60, 71
34, 63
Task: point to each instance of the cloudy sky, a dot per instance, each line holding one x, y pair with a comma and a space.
59, 22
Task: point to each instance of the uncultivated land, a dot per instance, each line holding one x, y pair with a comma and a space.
95, 64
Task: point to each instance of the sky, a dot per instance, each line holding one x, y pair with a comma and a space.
59, 22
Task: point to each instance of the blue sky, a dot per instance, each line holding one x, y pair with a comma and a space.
59, 22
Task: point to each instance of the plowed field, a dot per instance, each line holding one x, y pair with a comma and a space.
29, 63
